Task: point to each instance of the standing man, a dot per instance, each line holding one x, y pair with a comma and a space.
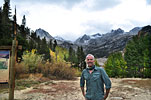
95, 78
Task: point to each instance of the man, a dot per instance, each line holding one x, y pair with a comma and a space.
95, 78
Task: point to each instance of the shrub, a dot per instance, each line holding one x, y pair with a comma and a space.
46, 69
20, 70
59, 70
31, 61
77, 72
40, 67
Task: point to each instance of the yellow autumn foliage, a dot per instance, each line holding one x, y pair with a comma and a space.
58, 55
53, 56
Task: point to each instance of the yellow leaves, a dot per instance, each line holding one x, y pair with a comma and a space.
33, 51
31, 60
52, 53
53, 56
58, 55
26, 51
61, 52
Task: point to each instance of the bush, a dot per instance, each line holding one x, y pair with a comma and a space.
39, 68
31, 60
46, 69
59, 71
32, 63
20, 70
77, 72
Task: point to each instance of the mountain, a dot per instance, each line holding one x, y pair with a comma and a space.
65, 43
118, 31
96, 35
42, 33
103, 45
59, 38
84, 40
145, 31
135, 30
60, 41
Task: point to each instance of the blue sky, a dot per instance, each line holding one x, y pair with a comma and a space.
73, 18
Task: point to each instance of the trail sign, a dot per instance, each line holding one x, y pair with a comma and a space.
4, 66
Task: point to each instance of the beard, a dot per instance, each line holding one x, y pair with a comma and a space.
87, 65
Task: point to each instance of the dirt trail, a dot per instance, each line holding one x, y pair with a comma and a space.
122, 89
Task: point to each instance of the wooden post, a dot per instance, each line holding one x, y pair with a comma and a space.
12, 70
13, 61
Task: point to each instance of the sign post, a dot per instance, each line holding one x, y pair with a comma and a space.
13, 61
12, 71
8, 68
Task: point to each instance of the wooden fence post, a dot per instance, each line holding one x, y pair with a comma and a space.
12, 70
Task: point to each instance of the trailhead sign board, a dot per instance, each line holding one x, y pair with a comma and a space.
4, 65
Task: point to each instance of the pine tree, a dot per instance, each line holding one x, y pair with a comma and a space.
44, 50
22, 28
6, 23
42, 46
54, 45
138, 56
83, 65
50, 44
81, 58
1, 26
31, 44
78, 55
6, 12
38, 43
116, 65
132, 57
24, 21
33, 35
72, 56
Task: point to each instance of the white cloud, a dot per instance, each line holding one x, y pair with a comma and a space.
71, 20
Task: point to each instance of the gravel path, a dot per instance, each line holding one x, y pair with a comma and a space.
122, 89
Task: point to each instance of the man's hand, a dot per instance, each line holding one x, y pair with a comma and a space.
105, 97
83, 94
107, 93
82, 89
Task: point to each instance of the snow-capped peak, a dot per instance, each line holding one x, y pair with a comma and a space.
96, 35
42, 33
59, 38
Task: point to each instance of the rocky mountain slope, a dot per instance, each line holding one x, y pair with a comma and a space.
101, 45
60, 41
42, 33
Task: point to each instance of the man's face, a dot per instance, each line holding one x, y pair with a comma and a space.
90, 61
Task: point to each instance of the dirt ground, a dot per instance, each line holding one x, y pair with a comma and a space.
122, 89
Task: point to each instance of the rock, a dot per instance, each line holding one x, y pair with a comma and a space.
116, 98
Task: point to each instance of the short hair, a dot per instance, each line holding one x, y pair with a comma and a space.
89, 55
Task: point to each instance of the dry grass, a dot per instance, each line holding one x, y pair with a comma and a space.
59, 70
62, 71
143, 83
20, 70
